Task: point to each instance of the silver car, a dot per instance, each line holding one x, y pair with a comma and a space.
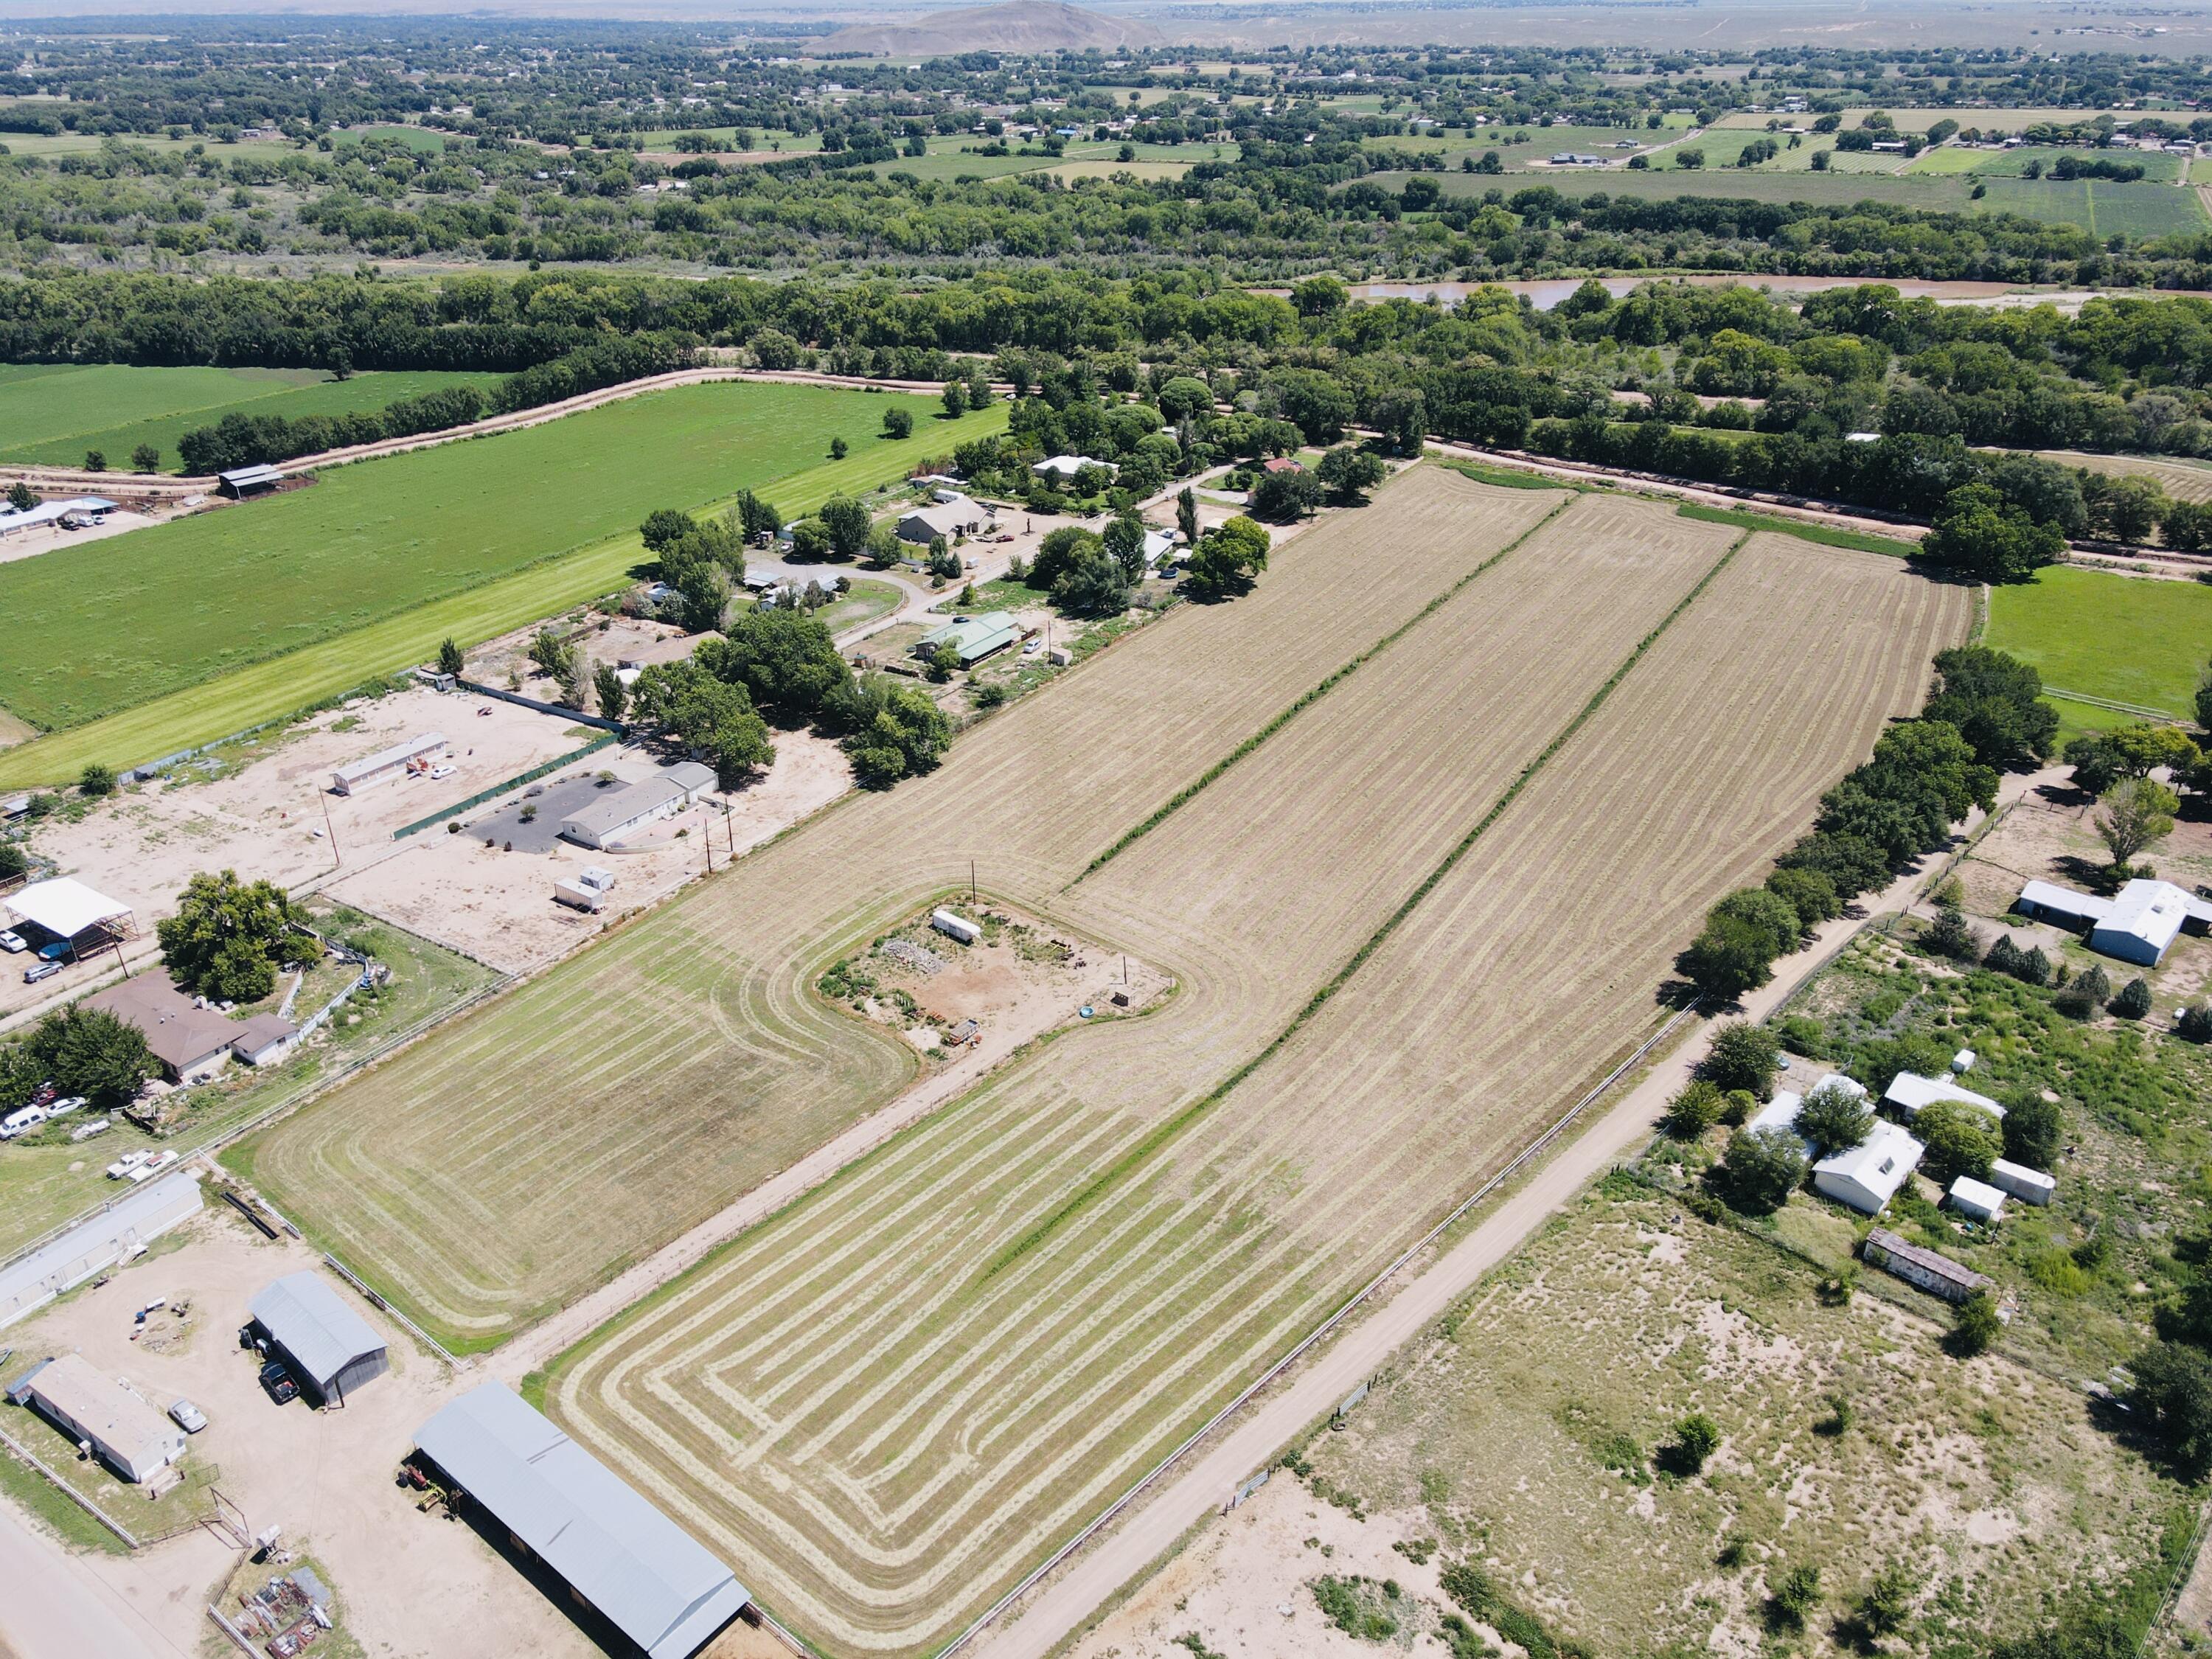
188, 1417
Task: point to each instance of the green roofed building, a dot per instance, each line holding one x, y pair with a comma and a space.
974, 637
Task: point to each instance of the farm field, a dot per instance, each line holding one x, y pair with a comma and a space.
2186, 481
280, 685
890, 1436
2119, 637
51, 413
2011, 163
465, 1179
1520, 1437
129, 619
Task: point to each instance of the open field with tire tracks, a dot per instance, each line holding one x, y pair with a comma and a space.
887, 1402
526, 1154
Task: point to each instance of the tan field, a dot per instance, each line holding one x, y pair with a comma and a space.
2184, 481
1099, 1247
496, 1173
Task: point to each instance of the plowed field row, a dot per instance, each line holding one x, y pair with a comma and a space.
486, 1176
886, 1404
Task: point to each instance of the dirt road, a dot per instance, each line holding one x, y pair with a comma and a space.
75, 1612
1063, 1605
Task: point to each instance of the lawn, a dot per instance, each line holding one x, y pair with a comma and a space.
51, 413
2123, 638
276, 686
126, 621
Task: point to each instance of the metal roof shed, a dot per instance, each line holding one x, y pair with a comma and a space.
647, 1576
331, 1349
66, 909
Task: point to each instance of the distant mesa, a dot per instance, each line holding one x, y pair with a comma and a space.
1024, 25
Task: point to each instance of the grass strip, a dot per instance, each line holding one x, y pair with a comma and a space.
1506, 477
1804, 533
1167, 1130
1183, 797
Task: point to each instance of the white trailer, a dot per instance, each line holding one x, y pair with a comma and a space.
954, 926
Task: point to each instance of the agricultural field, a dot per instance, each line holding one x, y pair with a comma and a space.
1520, 1438
128, 620
2125, 638
51, 413
2184, 480
887, 1442
2012, 163
721, 1060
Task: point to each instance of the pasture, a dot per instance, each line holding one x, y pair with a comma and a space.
130, 619
277, 686
2124, 638
891, 1399
51, 413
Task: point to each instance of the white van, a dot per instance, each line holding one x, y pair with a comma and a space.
21, 1121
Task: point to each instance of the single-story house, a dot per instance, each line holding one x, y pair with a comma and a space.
2137, 924
618, 813
331, 1349
973, 638
1064, 467
2029, 1186
266, 1040
1867, 1177
1977, 1200
1909, 1092
617, 1552
1160, 545
1281, 464
86, 1404
958, 517
387, 764
191, 1041
1936, 1274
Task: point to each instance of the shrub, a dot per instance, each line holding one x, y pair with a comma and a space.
1797, 1594
2134, 1000
1975, 1326
1835, 1118
1888, 1600
97, 779
1696, 1107
1697, 1436
1737, 1107
1760, 1169
2195, 1022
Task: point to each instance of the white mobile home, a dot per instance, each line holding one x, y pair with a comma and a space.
623, 811
1977, 1200
1911, 1093
2029, 1186
88, 1405
387, 764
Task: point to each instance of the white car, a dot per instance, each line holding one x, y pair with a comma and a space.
187, 1416
64, 1107
441, 771
12, 942
21, 1121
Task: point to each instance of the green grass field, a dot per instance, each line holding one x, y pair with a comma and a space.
2010, 163
124, 621
51, 413
269, 689
2124, 638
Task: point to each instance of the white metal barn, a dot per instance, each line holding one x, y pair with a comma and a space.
1867, 1177
616, 1552
608, 819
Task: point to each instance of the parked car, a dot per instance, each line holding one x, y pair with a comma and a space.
187, 1416
63, 1108
11, 941
278, 1383
32, 975
57, 951
441, 771
21, 1121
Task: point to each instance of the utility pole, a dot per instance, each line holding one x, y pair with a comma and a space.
971, 879
331, 830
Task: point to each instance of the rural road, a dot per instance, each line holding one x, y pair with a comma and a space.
75, 1613
1064, 1605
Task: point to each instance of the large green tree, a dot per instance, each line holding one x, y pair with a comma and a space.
1226, 559
1979, 534
229, 937
1995, 702
785, 659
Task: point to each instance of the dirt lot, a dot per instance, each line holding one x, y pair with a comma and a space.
497, 906
1523, 1437
408, 1582
269, 813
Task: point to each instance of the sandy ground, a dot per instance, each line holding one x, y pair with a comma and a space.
498, 907
411, 1584
1127, 1551
274, 818
46, 538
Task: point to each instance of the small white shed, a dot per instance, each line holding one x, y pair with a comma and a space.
1975, 1200
2029, 1186
954, 926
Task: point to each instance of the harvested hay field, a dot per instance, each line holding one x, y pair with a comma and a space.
2184, 481
1520, 1438
492, 1175
889, 1401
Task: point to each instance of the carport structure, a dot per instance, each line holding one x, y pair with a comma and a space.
72, 912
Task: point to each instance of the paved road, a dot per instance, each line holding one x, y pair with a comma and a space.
1065, 1604
59, 1606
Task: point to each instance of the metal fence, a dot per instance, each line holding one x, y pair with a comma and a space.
377, 1301
515, 782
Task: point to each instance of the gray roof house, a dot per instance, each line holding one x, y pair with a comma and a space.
616, 1552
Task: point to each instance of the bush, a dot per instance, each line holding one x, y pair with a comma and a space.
1797, 1594
2134, 1000
1743, 1056
1697, 1436
1760, 1169
97, 779
2034, 1128
1695, 1108
1975, 1326
2173, 1390
2195, 1022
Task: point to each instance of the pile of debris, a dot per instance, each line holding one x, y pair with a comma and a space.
909, 954
293, 1611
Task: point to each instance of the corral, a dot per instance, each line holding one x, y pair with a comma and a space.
1495, 700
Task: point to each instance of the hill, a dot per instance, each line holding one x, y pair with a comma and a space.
1024, 25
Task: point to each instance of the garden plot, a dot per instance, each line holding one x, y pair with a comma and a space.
1521, 1438
491, 1176
887, 1437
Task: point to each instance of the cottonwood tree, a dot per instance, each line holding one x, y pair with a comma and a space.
1227, 559
1835, 1117
2137, 813
1743, 1056
229, 937
848, 523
